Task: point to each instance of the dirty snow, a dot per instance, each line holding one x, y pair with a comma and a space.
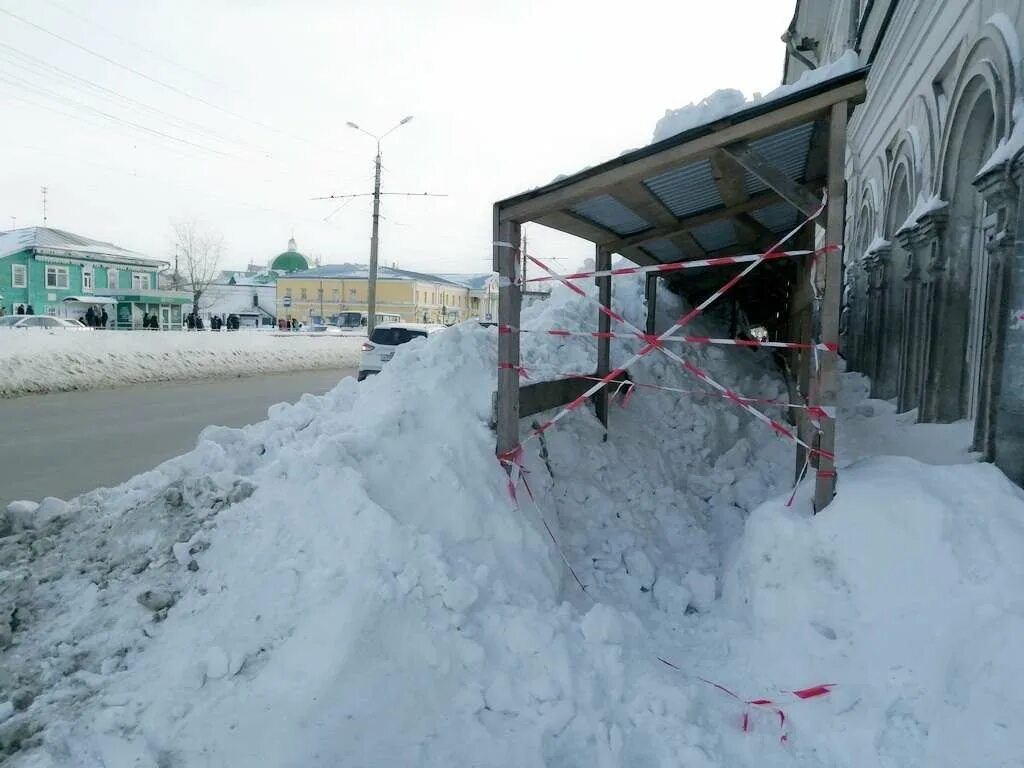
276, 598
45, 361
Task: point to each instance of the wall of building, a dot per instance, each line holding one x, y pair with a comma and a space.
932, 276
46, 299
414, 301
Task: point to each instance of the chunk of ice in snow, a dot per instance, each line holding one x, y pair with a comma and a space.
217, 663
602, 624
639, 567
702, 588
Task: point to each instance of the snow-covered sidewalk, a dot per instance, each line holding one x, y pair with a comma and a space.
43, 361
348, 583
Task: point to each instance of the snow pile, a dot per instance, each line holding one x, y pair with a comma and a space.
924, 206
725, 102
41, 361
277, 598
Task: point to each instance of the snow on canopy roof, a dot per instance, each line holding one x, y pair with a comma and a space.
45, 238
596, 203
362, 271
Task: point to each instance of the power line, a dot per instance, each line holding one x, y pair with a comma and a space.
144, 76
51, 94
44, 65
134, 44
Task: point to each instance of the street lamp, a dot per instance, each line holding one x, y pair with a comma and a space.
371, 287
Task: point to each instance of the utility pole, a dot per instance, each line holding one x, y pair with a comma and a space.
371, 287
45, 190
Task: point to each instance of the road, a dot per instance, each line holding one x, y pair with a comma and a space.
66, 443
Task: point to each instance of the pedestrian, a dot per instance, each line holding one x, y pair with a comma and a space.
104, 317
29, 310
90, 317
145, 319
3, 311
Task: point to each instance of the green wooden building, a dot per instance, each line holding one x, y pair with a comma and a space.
62, 274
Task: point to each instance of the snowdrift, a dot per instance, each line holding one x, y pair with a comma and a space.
39, 361
348, 583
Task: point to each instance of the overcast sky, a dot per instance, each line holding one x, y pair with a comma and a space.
235, 113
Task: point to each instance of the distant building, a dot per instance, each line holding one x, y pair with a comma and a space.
483, 293
62, 274
250, 294
322, 294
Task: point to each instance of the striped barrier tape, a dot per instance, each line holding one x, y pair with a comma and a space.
752, 343
770, 705
676, 266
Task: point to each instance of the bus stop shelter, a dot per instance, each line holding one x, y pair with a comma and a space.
731, 187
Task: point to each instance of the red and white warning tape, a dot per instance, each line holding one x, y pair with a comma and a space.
753, 343
510, 458
771, 705
679, 265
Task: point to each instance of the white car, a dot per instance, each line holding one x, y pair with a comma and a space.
385, 339
40, 322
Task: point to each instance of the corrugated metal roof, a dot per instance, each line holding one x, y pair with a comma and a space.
607, 212
780, 217
663, 250
715, 235
787, 150
687, 190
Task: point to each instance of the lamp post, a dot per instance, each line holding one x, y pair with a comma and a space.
371, 287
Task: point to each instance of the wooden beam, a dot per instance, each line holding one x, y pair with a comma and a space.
603, 260
506, 260
545, 395
730, 178
755, 202
724, 133
639, 199
825, 485
651, 294
789, 190
564, 221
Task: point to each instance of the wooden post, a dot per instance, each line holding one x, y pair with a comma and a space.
652, 301
825, 484
604, 325
506, 264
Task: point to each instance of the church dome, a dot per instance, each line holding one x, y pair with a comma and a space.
291, 260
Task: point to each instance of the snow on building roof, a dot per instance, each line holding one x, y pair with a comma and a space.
47, 239
475, 282
362, 271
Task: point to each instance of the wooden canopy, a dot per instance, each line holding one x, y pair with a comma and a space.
735, 185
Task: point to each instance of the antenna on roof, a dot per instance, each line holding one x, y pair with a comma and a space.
45, 190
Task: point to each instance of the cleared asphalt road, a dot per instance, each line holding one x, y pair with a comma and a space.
70, 442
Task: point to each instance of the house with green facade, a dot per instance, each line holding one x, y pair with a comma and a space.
62, 274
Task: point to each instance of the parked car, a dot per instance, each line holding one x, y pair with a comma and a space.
330, 330
42, 322
385, 339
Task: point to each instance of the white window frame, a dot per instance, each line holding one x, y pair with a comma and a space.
51, 311
19, 269
140, 281
57, 273
111, 278
88, 280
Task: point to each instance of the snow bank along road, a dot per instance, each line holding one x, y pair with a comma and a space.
349, 584
43, 361
67, 443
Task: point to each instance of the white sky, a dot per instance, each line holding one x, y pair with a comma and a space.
506, 95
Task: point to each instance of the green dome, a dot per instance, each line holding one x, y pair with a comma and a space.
291, 260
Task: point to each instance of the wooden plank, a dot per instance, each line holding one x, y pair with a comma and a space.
564, 221
825, 484
639, 199
651, 293
761, 200
545, 395
691, 151
603, 260
790, 191
506, 260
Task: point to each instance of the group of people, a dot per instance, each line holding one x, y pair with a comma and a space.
288, 325
21, 309
194, 322
150, 322
94, 319
232, 323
